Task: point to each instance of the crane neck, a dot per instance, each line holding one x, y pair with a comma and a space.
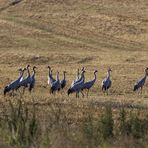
34, 72
57, 76
21, 74
95, 76
78, 74
28, 71
50, 71
146, 74
83, 76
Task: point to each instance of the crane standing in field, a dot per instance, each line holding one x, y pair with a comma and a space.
14, 84
140, 83
89, 84
63, 82
26, 82
77, 87
79, 77
56, 85
51, 80
32, 82
106, 83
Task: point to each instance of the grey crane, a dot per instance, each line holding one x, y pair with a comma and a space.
106, 83
26, 82
63, 82
89, 84
140, 83
79, 77
14, 84
32, 82
51, 80
77, 87
56, 85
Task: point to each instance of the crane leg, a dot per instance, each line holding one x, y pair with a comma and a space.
13, 93
23, 90
87, 92
107, 92
141, 89
82, 94
76, 95
20, 93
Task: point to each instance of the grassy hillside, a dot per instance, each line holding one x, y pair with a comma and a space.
69, 34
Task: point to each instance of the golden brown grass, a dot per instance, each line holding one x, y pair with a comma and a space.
69, 34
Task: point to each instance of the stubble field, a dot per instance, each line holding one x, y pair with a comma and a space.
70, 34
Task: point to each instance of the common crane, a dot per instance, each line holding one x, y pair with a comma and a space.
79, 78
51, 80
77, 87
89, 84
63, 82
56, 85
32, 82
106, 83
14, 84
26, 82
140, 83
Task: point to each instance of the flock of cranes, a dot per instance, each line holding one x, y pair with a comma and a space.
28, 82
77, 86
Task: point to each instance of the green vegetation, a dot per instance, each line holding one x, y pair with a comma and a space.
21, 127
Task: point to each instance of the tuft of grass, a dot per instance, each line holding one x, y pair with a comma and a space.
107, 123
22, 127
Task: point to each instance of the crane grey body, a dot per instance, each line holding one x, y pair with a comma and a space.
77, 87
51, 80
106, 83
14, 84
89, 84
56, 85
79, 77
140, 83
26, 81
63, 82
32, 82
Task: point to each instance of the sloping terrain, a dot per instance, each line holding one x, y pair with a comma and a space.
71, 34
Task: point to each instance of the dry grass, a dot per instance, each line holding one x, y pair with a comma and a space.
68, 34
71, 34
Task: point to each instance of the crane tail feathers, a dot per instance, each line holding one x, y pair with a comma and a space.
6, 89
135, 88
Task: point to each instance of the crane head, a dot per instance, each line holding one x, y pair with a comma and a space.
146, 70
64, 71
49, 67
28, 66
96, 71
34, 67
